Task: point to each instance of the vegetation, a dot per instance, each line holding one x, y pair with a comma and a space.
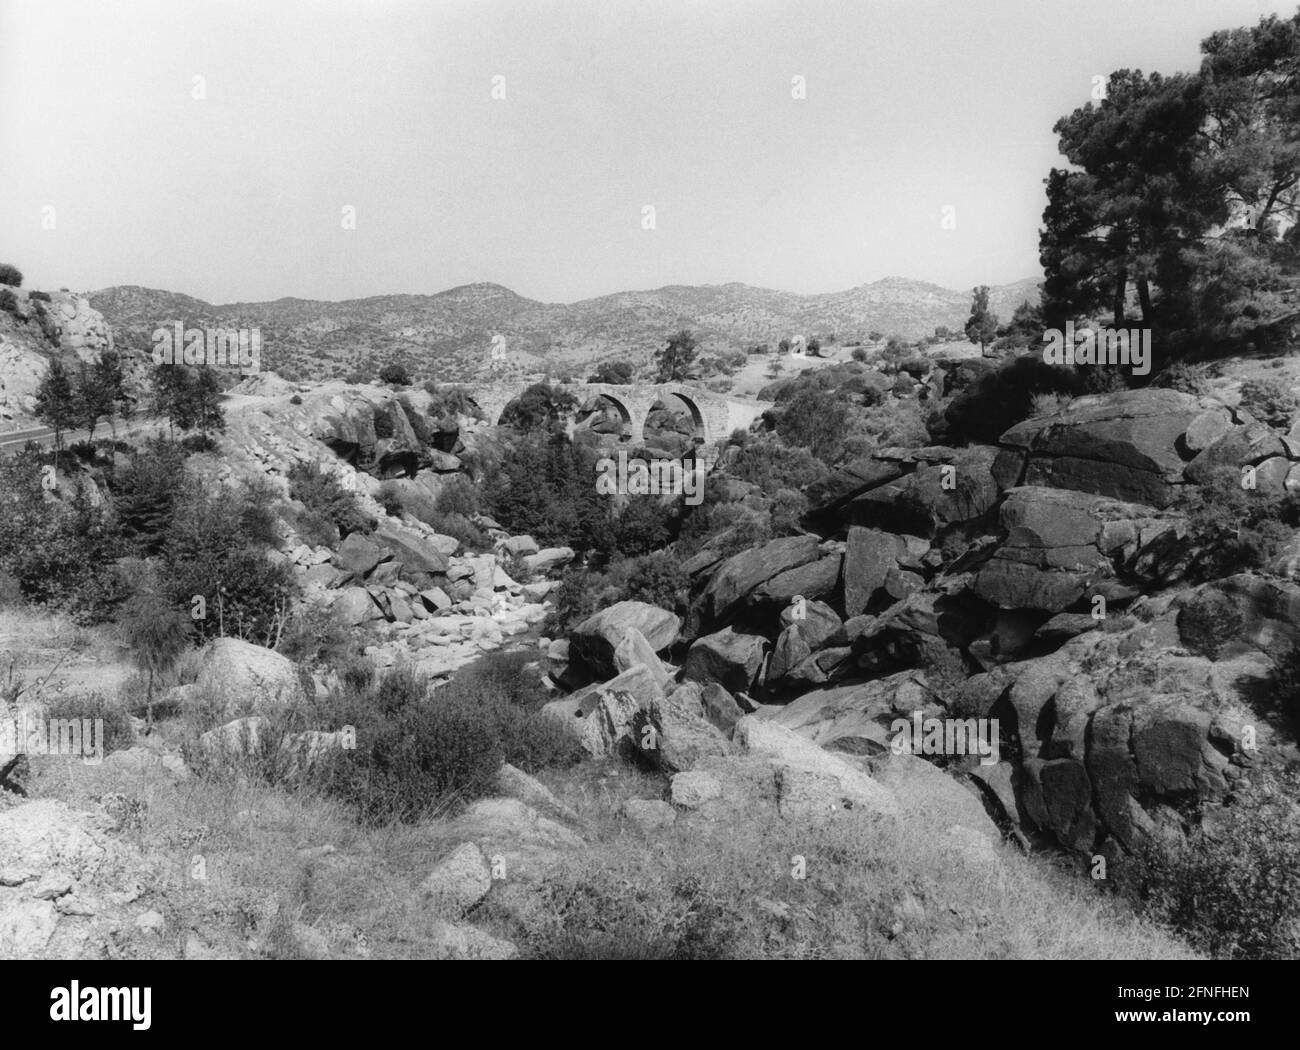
675, 360
1232, 889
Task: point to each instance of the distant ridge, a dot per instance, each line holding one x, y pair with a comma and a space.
459, 322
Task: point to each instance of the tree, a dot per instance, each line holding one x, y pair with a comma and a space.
540, 407
983, 325
109, 376
156, 634
616, 373
676, 358
11, 275
93, 402
56, 404
188, 397
206, 397
395, 374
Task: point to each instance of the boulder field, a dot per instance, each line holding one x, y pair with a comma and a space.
1041, 581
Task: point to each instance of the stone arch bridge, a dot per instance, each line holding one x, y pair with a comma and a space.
715, 415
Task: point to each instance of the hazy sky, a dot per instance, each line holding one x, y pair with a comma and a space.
385, 106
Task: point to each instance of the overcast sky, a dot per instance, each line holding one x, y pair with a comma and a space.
385, 106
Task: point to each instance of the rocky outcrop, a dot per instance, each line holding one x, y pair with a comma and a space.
1064, 546
1129, 445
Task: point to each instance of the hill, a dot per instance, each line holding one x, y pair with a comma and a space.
450, 333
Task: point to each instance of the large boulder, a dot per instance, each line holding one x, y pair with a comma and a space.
1128, 445
247, 677
413, 551
1062, 545
932, 499
353, 606
869, 557
593, 642
357, 556
730, 658
743, 573
811, 783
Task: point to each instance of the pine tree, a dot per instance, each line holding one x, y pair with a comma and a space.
56, 405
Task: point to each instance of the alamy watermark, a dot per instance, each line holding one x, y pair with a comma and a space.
215, 347
1108, 346
946, 736
658, 477
67, 737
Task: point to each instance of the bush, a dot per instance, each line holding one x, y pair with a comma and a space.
457, 495
773, 466
296, 399
11, 275
196, 443
658, 579
1188, 379
615, 373
119, 733
1234, 891
390, 498
1048, 404
815, 422
8, 301
322, 493
313, 636
1270, 401
1284, 687
1208, 622
395, 375
1231, 529
419, 752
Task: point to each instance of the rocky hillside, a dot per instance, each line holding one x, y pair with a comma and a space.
35, 326
453, 330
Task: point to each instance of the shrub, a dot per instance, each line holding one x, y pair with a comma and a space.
658, 579
1231, 529
11, 275
459, 527
1004, 396
788, 508
322, 493
457, 495
1048, 404
1234, 891
1284, 687
772, 466
197, 443
815, 422
1188, 379
1270, 401
616, 373
296, 399
119, 733
395, 374
1208, 622
314, 636
419, 751
390, 498
8, 301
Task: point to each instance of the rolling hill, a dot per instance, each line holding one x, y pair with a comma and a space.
449, 334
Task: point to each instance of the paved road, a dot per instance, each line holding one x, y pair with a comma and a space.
14, 440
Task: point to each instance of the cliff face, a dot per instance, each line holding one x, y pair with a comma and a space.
32, 331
